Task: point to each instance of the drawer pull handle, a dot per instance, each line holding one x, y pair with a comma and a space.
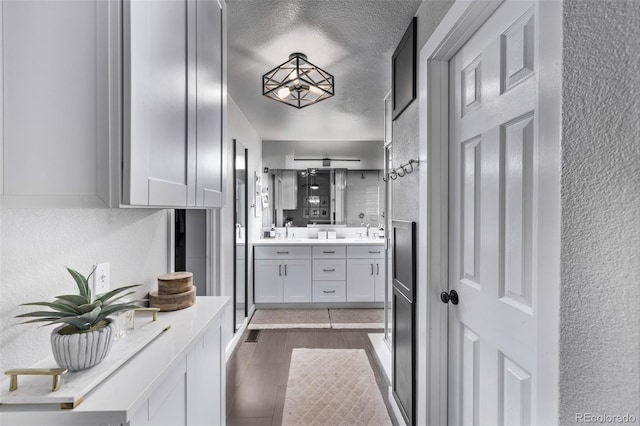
372, 269
286, 252
328, 291
329, 270
285, 270
374, 252
329, 251
279, 270
377, 269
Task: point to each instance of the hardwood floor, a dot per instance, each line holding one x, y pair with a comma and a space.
257, 373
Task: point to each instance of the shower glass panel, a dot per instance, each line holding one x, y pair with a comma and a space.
240, 232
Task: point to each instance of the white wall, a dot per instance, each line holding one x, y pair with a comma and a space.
600, 287
36, 245
240, 129
281, 154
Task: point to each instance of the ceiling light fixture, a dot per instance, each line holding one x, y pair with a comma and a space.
297, 82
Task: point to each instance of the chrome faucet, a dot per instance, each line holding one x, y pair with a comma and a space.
368, 225
286, 230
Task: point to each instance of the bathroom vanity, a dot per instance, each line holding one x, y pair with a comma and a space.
177, 379
334, 271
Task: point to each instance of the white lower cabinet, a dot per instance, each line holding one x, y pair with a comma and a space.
268, 281
191, 392
319, 273
179, 379
296, 282
360, 280
278, 281
168, 403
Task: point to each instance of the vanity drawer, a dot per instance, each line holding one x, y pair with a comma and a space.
329, 291
283, 252
329, 252
329, 269
365, 252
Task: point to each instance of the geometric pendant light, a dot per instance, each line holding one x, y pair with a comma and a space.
297, 82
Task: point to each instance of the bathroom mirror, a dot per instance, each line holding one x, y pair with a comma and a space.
337, 197
240, 233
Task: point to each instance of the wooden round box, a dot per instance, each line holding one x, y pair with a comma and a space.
175, 291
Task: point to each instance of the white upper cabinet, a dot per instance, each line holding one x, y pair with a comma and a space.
209, 98
112, 103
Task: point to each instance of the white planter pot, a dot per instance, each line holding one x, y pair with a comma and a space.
83, 350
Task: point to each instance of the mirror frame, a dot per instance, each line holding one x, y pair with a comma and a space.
236, 146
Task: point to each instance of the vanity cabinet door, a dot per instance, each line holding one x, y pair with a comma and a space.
380, 271
297, 281
268, 281
360, 280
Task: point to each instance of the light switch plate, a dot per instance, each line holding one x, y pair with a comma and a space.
101, 278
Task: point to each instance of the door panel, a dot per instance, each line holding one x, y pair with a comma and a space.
268, 281
297, 281
159, 148
360, 280
209, 100
492, 206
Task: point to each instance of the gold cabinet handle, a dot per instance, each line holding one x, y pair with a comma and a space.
55, 372
154, 310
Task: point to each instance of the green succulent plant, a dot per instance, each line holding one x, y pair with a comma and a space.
82, 312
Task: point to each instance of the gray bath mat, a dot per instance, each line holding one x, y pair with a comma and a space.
265, 319
332, 387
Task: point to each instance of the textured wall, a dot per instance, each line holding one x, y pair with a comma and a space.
600, 293
36, 245
405, 128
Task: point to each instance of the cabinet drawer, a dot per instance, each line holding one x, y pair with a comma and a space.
365, 252
329, 252
283, 252
329, 269
329, 291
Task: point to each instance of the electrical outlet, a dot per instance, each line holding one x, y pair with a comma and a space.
101, 278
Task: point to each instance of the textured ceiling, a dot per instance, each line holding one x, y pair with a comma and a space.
351, 39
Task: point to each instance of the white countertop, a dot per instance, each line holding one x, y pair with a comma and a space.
315, 241
124, 392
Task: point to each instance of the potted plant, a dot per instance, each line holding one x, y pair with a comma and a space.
86, 333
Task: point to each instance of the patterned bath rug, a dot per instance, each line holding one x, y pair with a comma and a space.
265, 319
357, 318
332, 387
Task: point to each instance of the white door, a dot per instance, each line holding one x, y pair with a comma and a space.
268, 281
493, 222
360, 280
297, 281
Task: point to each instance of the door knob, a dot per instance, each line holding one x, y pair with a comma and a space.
452, 297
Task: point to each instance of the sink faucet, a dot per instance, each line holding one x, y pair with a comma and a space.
286, 230
368, 225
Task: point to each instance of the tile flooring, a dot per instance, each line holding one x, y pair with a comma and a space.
257, 373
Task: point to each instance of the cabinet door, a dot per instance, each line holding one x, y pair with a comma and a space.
268, 281
167, 405
159, 147
360, 280
297, 281
209, 104
205, 385
380, 271
51, 78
